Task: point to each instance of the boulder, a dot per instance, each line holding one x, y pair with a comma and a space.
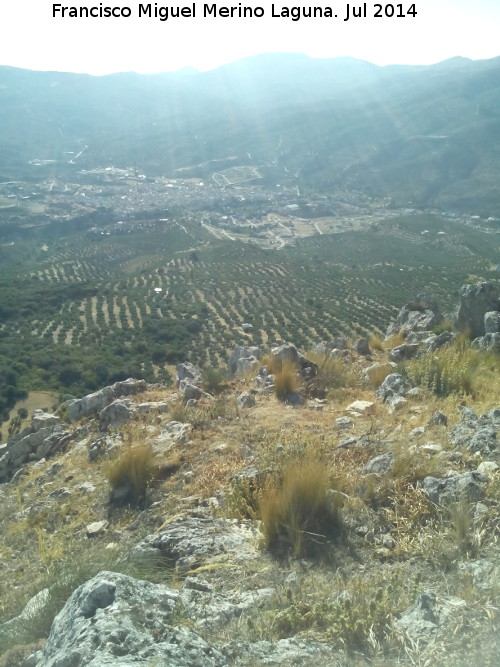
191, 391
113, 619
469, 486
173, 433
428, 614
94, 403
190, 541
362, 347
492, 322
403, 352
116, 413
490, 342
288, 354
187, 371
242, 359
422, 314
245, 400
380, 464
394, 385
444, 338
475, 301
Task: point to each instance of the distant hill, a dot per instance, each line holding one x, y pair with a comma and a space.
429, 135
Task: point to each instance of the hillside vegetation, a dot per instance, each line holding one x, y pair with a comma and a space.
357, 528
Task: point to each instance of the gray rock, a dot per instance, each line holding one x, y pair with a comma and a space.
469, 486
403, 352
422, 314
43, 419
189, 372
438, 419
444, 338
485, 574
492, 322
191, 391
422, 620
245, 400
188, 541
94, 403
361, 347
242, 359
490, 342
393, 385
326, 347
174, 433
288, 354
155, 407
380, 464
27, 445
475, 301
116, 620
116, 413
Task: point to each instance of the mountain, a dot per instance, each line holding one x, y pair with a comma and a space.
429, 135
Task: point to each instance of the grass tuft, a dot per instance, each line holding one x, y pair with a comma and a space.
297, 510
286, 381
132, 470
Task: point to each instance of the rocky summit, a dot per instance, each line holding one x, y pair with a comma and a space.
334, 506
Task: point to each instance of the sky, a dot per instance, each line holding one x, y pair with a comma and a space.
33, 38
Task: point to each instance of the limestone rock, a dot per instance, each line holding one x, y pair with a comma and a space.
422, 620
403, 352
189, 372
422, 314
475, 301
116, 413
380, 464
245, 400
189, 541
94, 403
242, 359
469, 486
288, 353
492, 322
361, 407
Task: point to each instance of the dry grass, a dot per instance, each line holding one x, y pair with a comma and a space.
132, 470
375, 342
297, 511
286, 381
394, 341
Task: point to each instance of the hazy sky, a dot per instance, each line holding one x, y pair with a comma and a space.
33, 39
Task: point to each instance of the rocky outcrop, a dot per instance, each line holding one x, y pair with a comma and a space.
427, 615
475, 301
478, 434
94, 403
113, 619
189, 541
422, 314
469, 486
187, 371
243, 359
393, 390
403, 352
288, 354
43, 438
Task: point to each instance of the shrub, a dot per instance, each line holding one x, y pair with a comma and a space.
297, 511
332, 373
213, 379
286, 381
450, 370
130, 473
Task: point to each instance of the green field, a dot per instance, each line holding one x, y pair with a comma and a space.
83, 309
